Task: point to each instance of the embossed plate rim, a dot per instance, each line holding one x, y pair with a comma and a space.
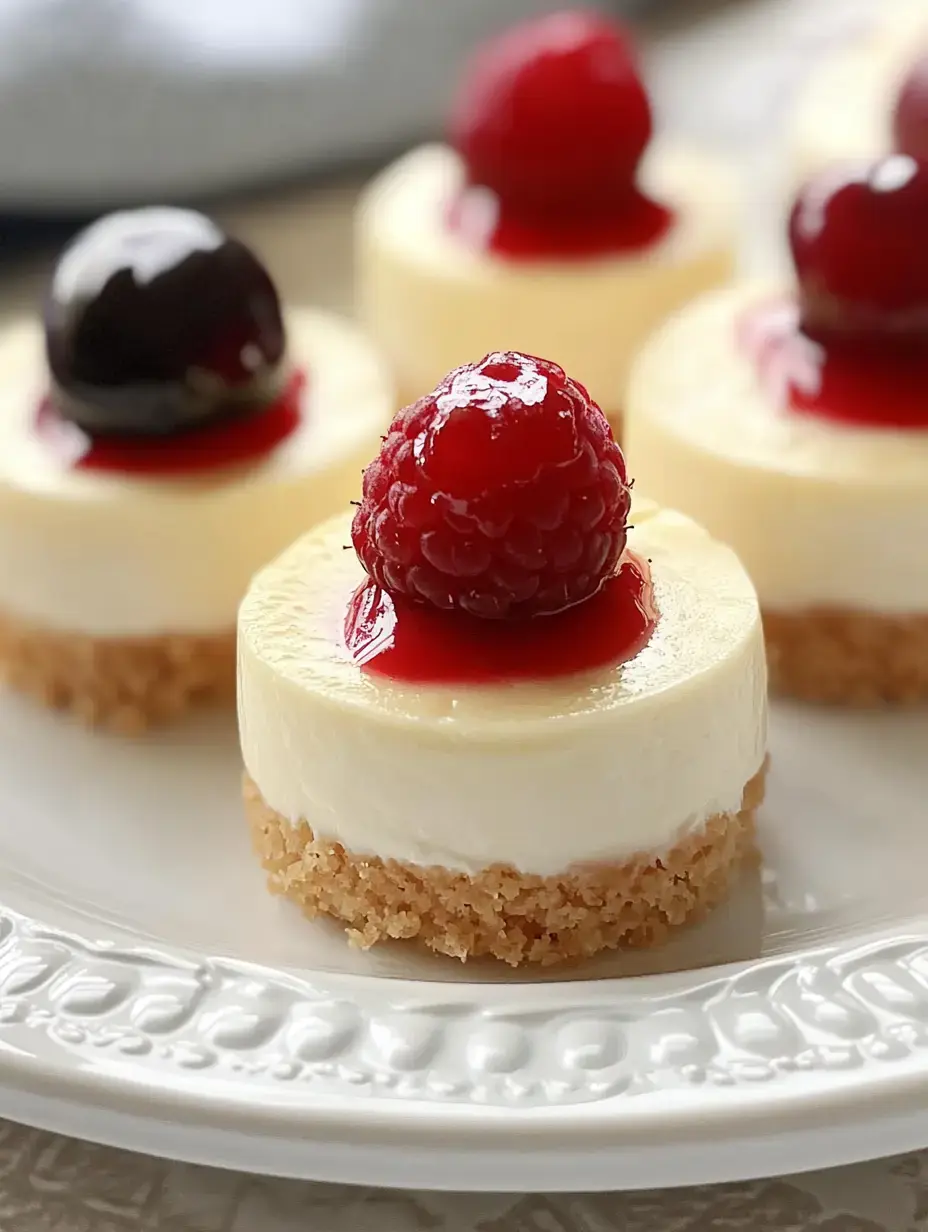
83, 1050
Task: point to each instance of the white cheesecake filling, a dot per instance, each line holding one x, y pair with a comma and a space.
595, 767
432, 302
116, 555
821, 514
844, 112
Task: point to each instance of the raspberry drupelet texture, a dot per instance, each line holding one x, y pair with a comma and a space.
501, 494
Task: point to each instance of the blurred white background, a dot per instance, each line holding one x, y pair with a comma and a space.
106, 101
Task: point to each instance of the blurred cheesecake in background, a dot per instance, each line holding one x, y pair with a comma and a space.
792, 422
177, 433
553, 222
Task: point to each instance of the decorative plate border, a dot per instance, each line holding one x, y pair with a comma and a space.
835, 1009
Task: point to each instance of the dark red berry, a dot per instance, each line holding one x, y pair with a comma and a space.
552, 115
910, 116
157, 321
501, 494
859, 238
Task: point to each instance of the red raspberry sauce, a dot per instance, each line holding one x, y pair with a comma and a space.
418, 644
232, 442
482, 221
867, 388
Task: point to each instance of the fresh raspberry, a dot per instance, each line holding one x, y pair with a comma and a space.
859, 238
910, 115
552, 115
501, 494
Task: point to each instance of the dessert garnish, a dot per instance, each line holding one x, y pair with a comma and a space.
859, 238
166, 347
910, 114
551, 121
854, 346
493, 529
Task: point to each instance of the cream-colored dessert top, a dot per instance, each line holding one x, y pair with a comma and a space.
587, 767
821, 513
433, 301
845, 108
115, 554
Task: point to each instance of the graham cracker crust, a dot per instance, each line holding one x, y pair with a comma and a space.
848, 658
516, 917
123, 685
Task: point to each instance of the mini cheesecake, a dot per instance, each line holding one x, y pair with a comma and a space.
176, 434
551, 222
862, 100
792, 422
519, 728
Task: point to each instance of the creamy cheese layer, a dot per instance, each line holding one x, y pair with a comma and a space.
432, 302
538, 775
821, 514
124, 555
844, 110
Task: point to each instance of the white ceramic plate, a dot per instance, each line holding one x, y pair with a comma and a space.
153, 996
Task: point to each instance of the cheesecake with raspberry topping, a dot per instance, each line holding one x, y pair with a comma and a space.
515, 721
550, 222
792, 422
176, 433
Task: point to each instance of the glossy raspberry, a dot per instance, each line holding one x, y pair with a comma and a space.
552, 115
910, 115
501, 494
859, 237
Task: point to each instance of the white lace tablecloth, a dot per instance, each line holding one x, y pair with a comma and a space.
53, 1184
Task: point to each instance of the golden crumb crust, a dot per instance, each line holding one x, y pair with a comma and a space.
123, 685
516, 917
848, 658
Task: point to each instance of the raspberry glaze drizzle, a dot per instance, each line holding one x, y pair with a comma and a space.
232, 441
866, 389
390, 636
488, 222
